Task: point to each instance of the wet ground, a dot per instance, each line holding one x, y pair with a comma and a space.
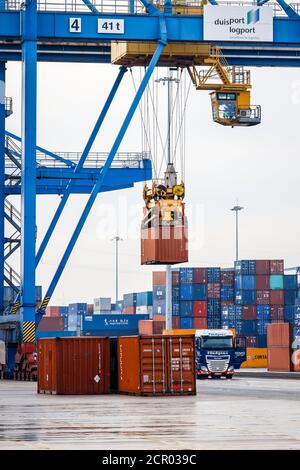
240, 413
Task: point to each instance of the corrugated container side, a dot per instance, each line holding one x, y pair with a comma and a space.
200, 276
199, 291
276, 266
279, 335
276, 281
263, 267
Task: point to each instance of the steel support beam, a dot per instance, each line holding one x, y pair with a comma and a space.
28, 192
80, 164
102, 175
2, 181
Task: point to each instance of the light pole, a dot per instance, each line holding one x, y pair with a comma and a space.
117, 239
236, 209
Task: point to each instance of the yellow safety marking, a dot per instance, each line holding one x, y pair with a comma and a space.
45, 303
15, 308
28, 331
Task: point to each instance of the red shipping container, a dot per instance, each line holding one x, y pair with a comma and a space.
279, 359
151, 327
263, 297
249, 312
227, 278
159, 278
90, 308
200, 275
52, 312
51, 324
158, 317
175, 322
277, 314
200, 308
200, 323
277, 297
262, 266
227, 302
74, 366
129, 310
175, 278
213, 290
164, 245
279, 335
276, 266
262, 282
251, 341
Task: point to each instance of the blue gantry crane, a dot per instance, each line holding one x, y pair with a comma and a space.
161, 33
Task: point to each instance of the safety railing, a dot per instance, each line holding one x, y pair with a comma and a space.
252, 112
95, 159
135, 6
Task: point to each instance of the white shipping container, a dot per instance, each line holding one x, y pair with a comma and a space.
144, 309
102, 304
102, 312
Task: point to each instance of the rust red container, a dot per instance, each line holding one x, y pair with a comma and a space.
51, 324
74, 366
175, 322
200, 323
262, 266
159, 278
52, 312
276, 297
277, 313
151, 327
200, 276
249, 312
262, 282
175, 278
164, 245
279, 359
213, 290
227, 278
157, 365
279, 335
277, 266
129, 310
200, 308
263, 297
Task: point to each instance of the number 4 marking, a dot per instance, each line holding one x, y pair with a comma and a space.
75, 25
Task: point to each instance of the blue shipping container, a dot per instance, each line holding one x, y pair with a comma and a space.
80, 308
199, 292
159, 293
129, 300
245, 297
262, 341
186, 323
247, 267
276, 282
54, 334
186, 309
213, 323
213, 274
227, 293
114, 321
263, 312
111, 333
175, 308
245, 282
290, 281
186, 275
290, 297
249, 328
186, 292
63, 311
289, 313
144, 298
159, 307
262, 327
175, 294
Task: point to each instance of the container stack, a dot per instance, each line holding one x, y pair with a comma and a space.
76, 315
280, 347
112, 324
102, 305
144, 301
129, 303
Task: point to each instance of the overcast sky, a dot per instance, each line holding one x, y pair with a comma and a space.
259, 166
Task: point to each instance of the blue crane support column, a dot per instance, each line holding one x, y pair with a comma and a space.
28, 175
2, 181
80, 164
101, 177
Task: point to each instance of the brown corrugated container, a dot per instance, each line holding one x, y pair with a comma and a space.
249, 312
262, 266
159, 278
175, 278
129, 310
276, 266
52, 311
164, 245
279, 359
279, 335
227, 277
74, 366
276, 297
90, 308
262, 282
151, 327
175, 322
277, 313
51, 324
157, 365
262, 297
200, 323
213, 290
200, 276
296, 360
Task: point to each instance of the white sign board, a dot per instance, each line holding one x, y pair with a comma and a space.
238, 23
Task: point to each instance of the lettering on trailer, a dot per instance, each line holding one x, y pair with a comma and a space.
28, 331
104, 25
238, 23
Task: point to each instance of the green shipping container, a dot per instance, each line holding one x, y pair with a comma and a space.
276, 281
